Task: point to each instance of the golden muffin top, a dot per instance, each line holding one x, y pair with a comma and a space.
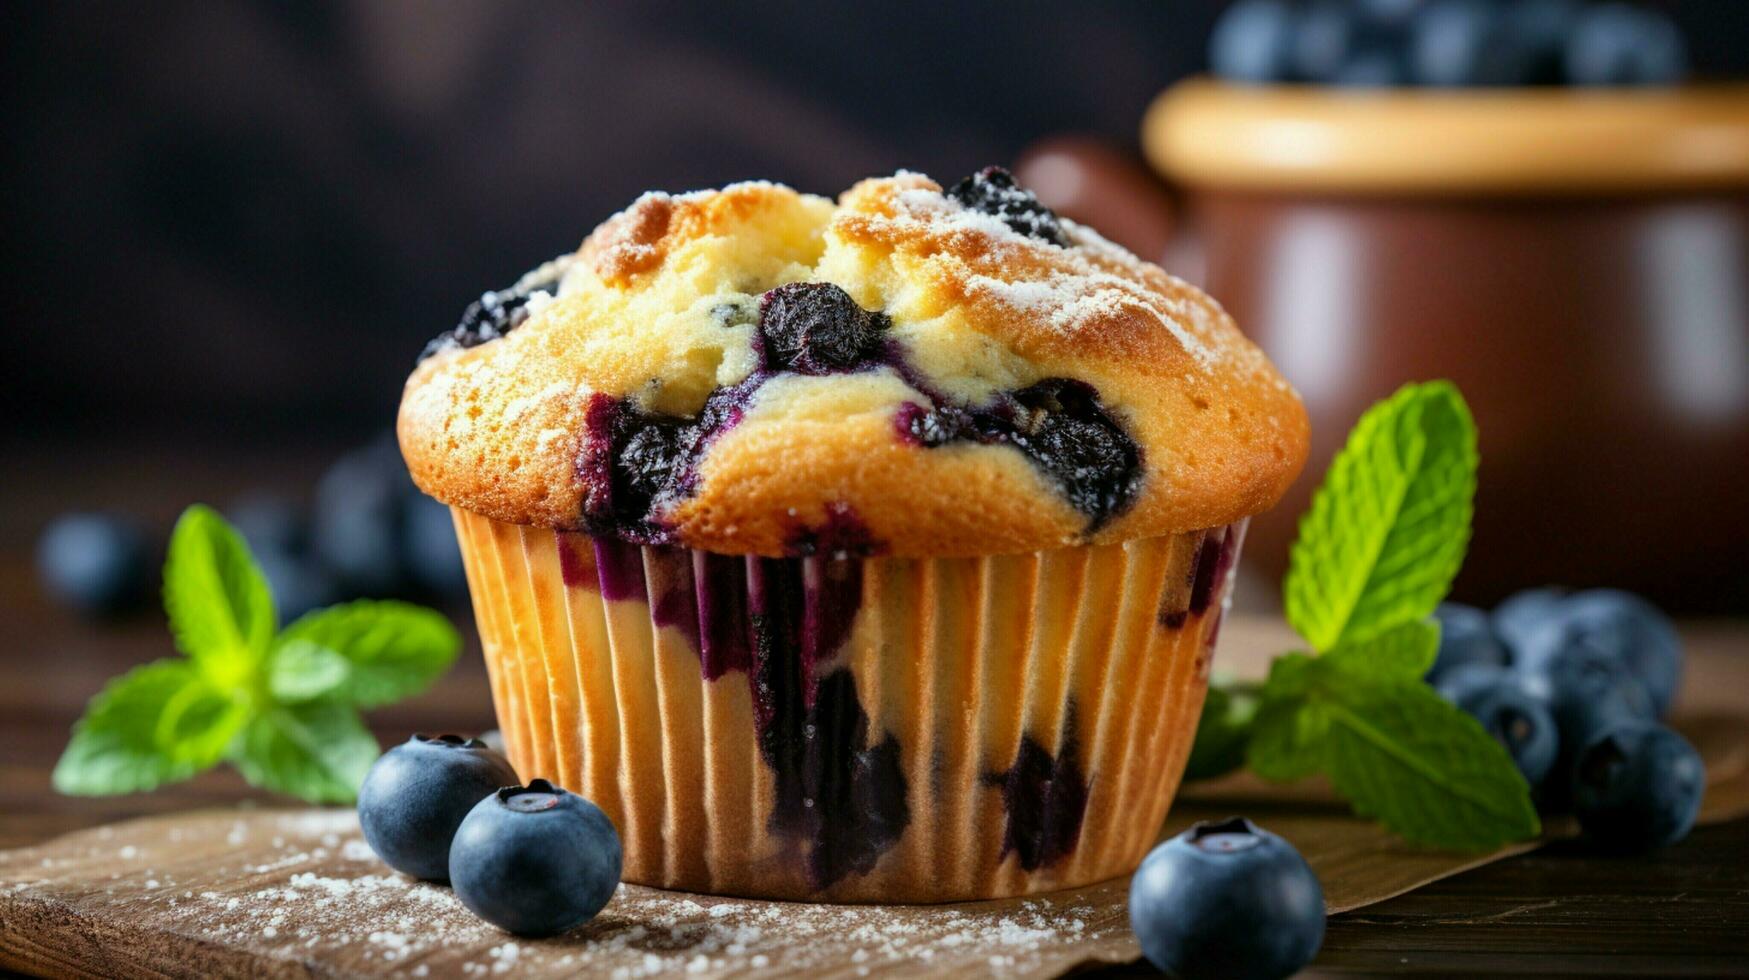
909, 372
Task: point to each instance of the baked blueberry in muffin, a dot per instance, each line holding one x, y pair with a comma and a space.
867, 549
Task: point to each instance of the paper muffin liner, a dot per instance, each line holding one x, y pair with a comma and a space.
848, 729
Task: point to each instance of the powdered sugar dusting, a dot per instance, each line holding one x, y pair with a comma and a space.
1071, 299
305, 888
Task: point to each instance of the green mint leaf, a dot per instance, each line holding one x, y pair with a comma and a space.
393, 649
156, 724
1287, 736
1223, 731
1403, 652
1287, 741
1404, 756
300, 671
221, 611
318, 752
1387, 531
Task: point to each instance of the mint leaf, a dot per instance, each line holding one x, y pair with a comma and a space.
1401, 653
221, 611
1404, 756
280, 709
1287, 737
156, 724
1223, 730
318, 752
1387, 531
393, 649
299, 671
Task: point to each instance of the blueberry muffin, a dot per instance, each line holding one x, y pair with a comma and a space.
868, 550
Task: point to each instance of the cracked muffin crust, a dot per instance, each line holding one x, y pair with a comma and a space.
908, 372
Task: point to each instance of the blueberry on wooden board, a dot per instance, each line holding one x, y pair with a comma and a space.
1637, 787
1227, 900
415, 797
1634, 631
1519, 721
535, 860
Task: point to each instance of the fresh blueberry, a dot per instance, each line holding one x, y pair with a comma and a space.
1539, 30
1634, 631
299, 583
1588, 689
1253, 41
1490, 43
278, 533
1465, 637
1580, 679
1391, 11
993, 191
816, 328
1466, 680
1460, 42
1523, 612
100, 564
429, 550
1227, 900
1617, 44
418, 793
357, 519
1329, 34
488, 318
535, 860
1520, 722
1637, 787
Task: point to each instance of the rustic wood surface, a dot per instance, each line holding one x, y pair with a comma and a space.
294, 891
165, 906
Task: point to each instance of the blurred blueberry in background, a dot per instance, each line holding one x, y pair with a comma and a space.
1253, 41
1617, 44
1447, 43
1465, 637
357, 518
430, 553
369, 534
99, 564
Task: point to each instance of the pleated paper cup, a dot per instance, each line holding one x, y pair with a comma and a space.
847, 729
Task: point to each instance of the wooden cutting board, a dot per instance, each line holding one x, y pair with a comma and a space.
295, 892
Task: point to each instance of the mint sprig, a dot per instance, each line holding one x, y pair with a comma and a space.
281, 706
1377, 551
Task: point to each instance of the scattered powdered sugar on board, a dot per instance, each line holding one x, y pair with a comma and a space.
302, 887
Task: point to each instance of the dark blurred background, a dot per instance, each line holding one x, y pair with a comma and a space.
230, 227
241, 221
